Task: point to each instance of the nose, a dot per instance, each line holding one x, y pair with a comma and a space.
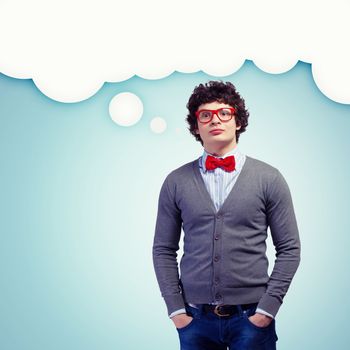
215, 119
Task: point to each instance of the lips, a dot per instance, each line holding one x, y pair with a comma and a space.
216, 131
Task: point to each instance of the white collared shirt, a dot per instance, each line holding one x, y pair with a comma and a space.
219, 182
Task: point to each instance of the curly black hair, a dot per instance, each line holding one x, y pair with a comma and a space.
221, 92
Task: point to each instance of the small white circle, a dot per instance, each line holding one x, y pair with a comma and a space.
126, 109
158, 125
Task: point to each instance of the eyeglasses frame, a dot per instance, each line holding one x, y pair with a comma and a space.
215, 111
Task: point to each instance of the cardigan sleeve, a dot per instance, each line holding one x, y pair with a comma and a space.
285, 236
165, 247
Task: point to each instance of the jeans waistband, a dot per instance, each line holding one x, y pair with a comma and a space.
221, 310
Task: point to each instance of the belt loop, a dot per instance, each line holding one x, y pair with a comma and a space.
200, 309
240, 311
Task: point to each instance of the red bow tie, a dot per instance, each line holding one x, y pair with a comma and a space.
227, 163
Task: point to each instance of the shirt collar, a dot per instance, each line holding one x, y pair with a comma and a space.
235, 152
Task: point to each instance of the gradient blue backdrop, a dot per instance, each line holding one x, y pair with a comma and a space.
79, 200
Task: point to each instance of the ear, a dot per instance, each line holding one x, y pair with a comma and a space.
238, 127
196, 131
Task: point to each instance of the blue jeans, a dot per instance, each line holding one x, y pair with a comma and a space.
208, 331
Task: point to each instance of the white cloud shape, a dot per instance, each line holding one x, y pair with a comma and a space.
126, 109
70, 48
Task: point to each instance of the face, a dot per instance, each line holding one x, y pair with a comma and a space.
225, 136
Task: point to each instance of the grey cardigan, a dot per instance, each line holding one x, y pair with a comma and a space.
224, 256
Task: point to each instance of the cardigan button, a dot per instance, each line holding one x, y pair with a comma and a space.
216, 259
218, 296
216, 237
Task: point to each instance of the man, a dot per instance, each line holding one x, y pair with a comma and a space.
224, 201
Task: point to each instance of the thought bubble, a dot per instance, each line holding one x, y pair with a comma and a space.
125, 109
70, 49
158, 125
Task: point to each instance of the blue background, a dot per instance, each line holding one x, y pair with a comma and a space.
79, 200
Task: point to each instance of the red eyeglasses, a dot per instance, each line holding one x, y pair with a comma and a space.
224, 114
